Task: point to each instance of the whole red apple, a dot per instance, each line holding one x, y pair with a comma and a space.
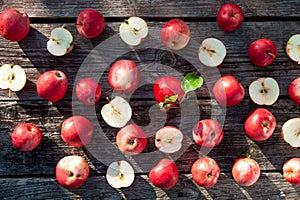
88, 91
208, 133
131, 139
230, 17
52, 85
228, 91
260, 124
291, 171
90, 23
164, 174
124, 76
72, 171
294, 91
77, 131
205, 172
245, 171
262, 52
26, 136
175, 34
14, 24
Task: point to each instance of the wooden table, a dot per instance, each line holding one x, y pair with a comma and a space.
31, 175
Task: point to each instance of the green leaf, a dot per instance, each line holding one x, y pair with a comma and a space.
191, 82
171, 99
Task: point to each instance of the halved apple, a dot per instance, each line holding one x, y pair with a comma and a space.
293, 48
60, 42
291, 132
168, 139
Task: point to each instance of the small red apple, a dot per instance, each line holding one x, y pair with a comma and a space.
294, 91
291, 171
88, 91
26, 136
90, 23
72, 171
262, 52
208, 133
52, 85
77, 131
245, 171
175, 34
230, 17
131, 139
124, 76
164, 174
260, 124
228, 91
205, 172
14, 24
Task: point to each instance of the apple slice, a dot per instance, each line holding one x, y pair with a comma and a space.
168, 139
133, 31
120, 174
293, 48
60, 42
291, 132
212, 52
12, 77
264, 91
116, 113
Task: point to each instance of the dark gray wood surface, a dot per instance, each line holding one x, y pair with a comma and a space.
31, 175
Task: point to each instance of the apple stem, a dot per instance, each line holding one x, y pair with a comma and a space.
9, 93
271, 54
112, 106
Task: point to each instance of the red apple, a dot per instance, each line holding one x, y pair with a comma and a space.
245, 171
208, 133
26, 136
72, 171
14, 24
90, 23
205, 172
260, 124
228, 91
291, 171
52, 85
77, 131
131, 139
230, 17
88, 91
262, 52
164, 174
175, 34
294, 91
124, 76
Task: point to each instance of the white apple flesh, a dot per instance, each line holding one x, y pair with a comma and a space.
264, 91
133, 31
291, 132
293, 48
60, 42
212, 52
120, 174
116, 113
168, 139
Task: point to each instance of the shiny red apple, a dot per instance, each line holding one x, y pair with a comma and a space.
291, 171
294, 91
88, 91
245, 171
230, 17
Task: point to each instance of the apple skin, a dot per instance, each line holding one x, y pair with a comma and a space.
175, 34
131, 139
208, 133
26, 136
124, 76
262, 52
72, 171
90, 23
291, 171
245, 171
260, 124
14, 24
52, 85
230, 17
228, 91
205, 172
88, 91
77, 131
164, 174
294, 91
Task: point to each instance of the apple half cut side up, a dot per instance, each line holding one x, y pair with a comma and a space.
61, 42
120, 174
293, 48
168, 139
291, 132
12, 77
